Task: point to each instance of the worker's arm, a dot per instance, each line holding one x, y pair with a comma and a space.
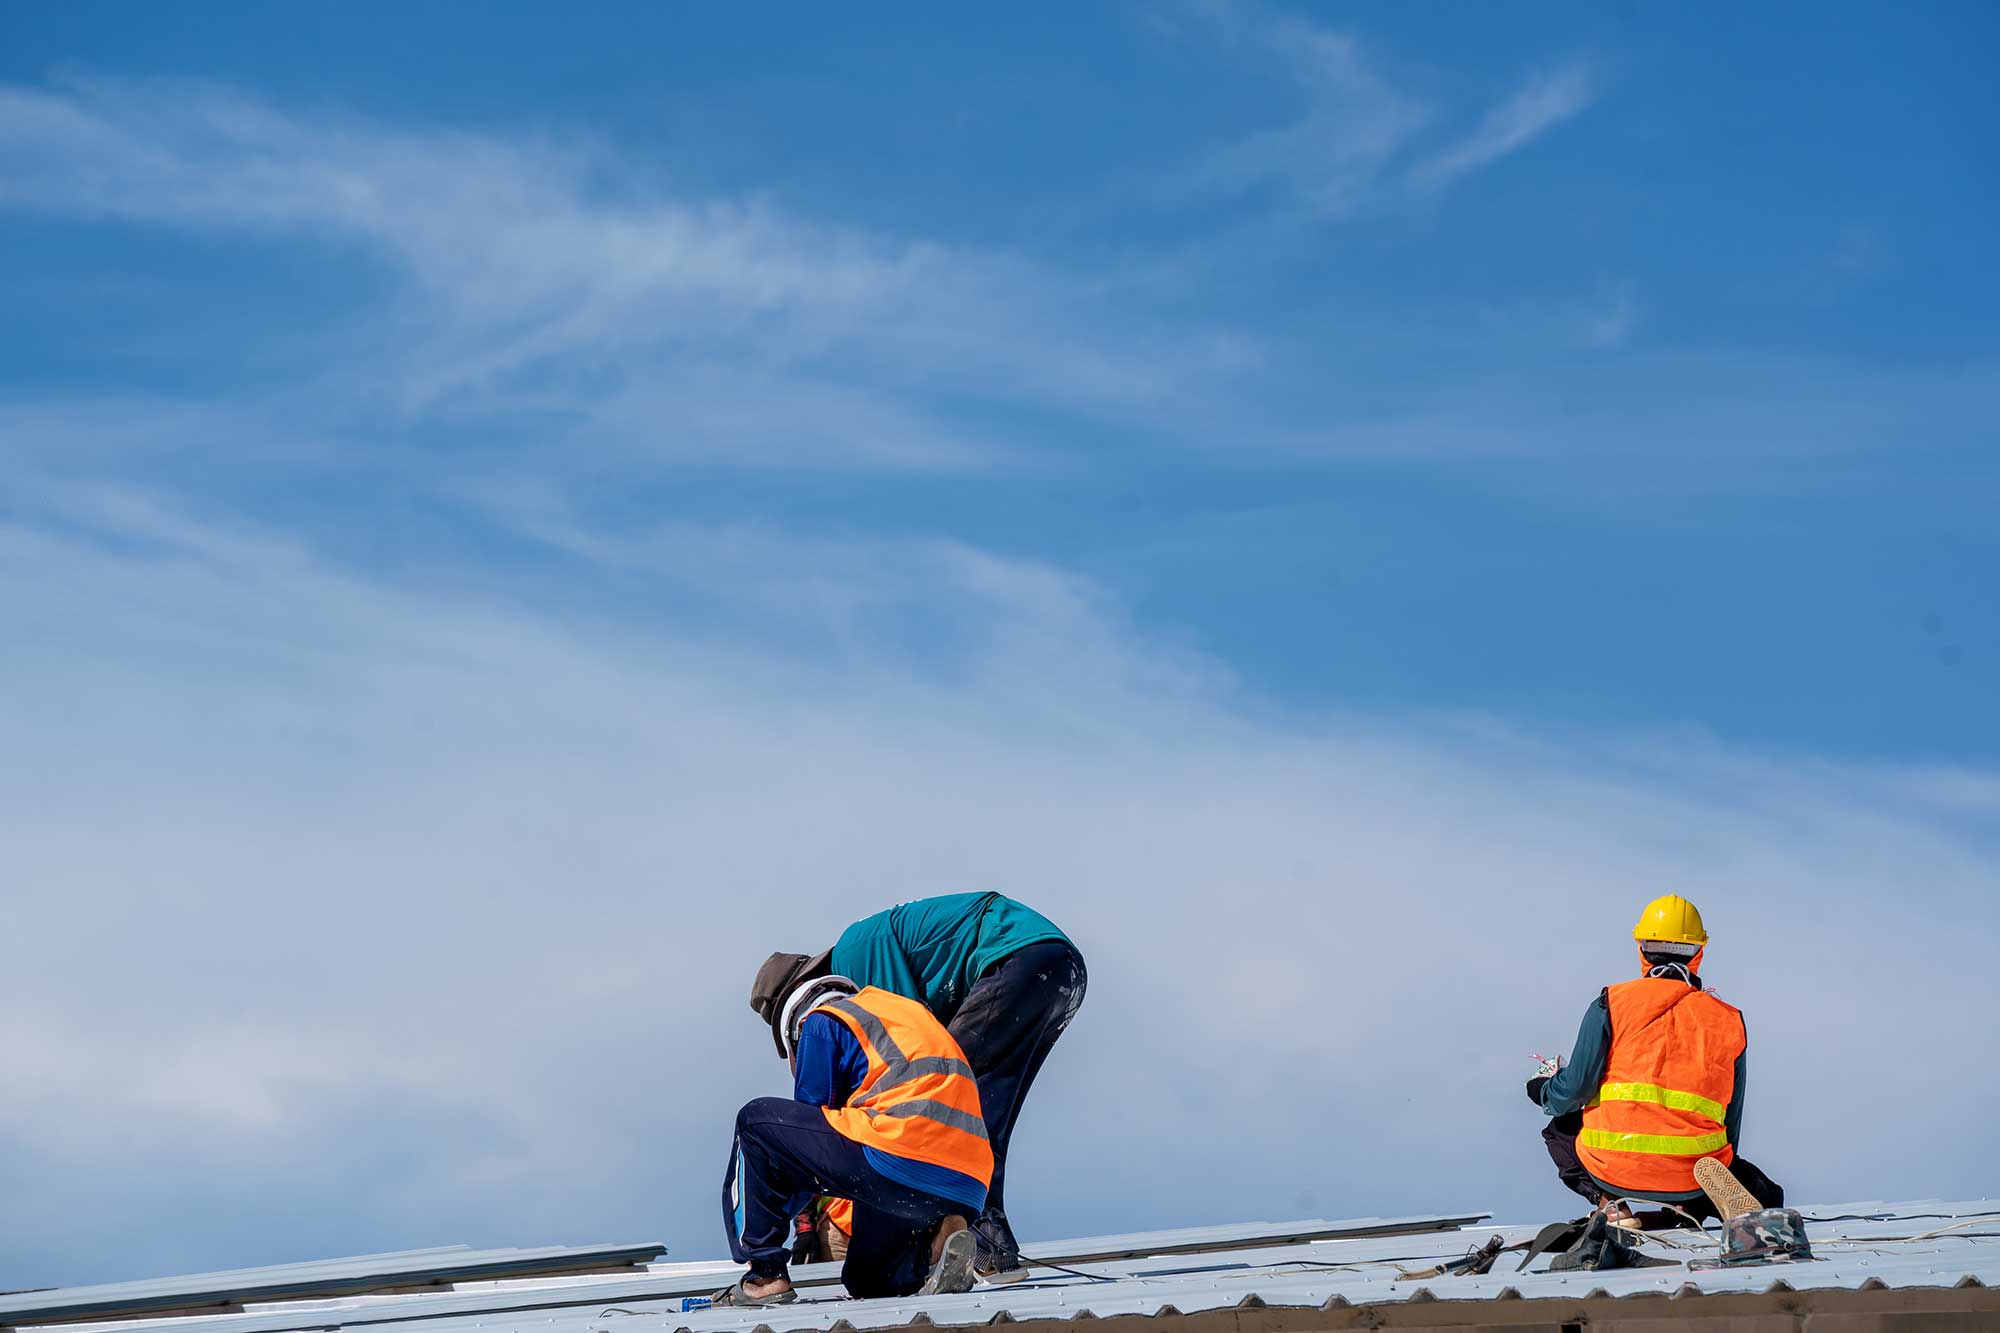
829, 1064
1732, 1119
1577, 1082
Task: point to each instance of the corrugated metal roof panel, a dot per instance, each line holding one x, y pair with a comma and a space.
1929, 1244
671, 1282
1850, 1255
322, 1277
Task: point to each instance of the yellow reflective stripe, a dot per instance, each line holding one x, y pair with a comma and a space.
1663, 1145
1659, 1096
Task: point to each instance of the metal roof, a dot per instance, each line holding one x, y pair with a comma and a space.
1925, 1246
661, 1282
324, 1277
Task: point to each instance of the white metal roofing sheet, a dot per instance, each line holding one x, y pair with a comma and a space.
670, 1282
320, 1277
1850, 1253
1924, 1244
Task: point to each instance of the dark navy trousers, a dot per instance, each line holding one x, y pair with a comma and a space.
1559, 1137
786, 1155
1009, 1022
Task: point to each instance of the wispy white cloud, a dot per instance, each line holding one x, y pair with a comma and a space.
1601, 321
1355, 117
498, 230
595, 329
1361, 123
1676, 422
1545, 101
560, 275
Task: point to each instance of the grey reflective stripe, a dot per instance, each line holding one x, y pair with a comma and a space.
927, 1109
935, 1064
878, 1037
897, 1068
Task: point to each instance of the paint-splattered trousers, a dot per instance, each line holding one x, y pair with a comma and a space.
1010, 1020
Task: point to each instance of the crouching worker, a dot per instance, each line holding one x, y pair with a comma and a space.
884, 1113
1655, 1083
1002, 977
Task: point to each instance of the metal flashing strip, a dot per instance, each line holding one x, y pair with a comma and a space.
325, 1277
1241, 1235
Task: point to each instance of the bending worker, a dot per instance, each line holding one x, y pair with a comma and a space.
884, 1113
1655, 1082
1001, 977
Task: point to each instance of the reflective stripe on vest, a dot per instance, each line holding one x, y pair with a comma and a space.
899, 1071
1669, 1076
1672, 1145
920, 1099
1659, 1096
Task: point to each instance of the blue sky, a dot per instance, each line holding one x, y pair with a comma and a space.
721, 474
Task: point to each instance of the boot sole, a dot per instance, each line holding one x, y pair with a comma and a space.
953, 1273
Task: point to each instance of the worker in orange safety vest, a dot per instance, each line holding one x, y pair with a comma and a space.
884, 1113
1655, 1082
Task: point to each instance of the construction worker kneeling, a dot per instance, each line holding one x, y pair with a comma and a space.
1655, 1082
884, 1113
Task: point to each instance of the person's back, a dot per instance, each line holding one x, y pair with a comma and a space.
1669, 1080
917, 1102
935, 949
1656, 1080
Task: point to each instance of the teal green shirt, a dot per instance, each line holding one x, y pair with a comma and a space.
935, 948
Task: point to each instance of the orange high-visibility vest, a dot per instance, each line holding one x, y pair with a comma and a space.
1668, 1080
920, 1099
840, 1212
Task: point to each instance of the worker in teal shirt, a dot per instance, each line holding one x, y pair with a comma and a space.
1002, 978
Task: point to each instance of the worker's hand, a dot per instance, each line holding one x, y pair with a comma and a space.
1535, 1086
805, 1238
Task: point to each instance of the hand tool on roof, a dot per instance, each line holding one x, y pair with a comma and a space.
1471, 1262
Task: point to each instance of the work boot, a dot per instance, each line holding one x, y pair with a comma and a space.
998, 1258
951, 1261
952, 1224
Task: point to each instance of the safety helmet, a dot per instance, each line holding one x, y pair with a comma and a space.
802, 1001
1671, 919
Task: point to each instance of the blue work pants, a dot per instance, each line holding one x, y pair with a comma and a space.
785, 1156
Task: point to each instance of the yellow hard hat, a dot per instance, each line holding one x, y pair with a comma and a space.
1670, 918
